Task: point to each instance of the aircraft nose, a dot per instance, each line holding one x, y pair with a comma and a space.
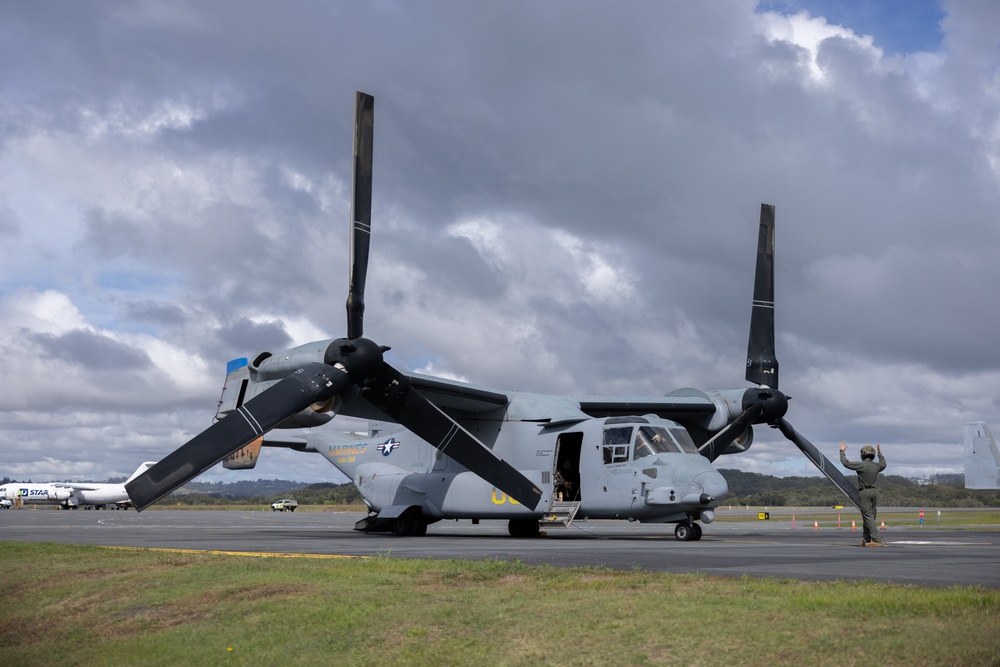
713, 483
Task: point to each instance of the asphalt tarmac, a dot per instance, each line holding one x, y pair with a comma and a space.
929, 556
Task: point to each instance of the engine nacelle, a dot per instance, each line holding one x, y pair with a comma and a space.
61, 494
247, 379
266, 366
309, 418
728, 406
740, 444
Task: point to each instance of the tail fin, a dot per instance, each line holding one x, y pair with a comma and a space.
982, 459
235, 388
233, 395
143, 467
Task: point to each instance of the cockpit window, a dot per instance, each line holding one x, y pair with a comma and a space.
619, 435
683, 439
650, 440
617, 441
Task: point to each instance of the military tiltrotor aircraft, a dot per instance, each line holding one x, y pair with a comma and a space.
461, 451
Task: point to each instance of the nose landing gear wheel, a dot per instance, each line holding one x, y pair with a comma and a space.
687, 531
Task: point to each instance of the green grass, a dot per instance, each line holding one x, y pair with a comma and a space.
90, 605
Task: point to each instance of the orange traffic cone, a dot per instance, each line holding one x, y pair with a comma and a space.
815, 525
883, 524
853, 527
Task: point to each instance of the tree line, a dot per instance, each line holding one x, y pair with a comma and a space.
323, 493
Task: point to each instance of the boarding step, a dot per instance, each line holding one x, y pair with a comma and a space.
560, 514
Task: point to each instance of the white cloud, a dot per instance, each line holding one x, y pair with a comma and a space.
45, 312
808, 33
487, 238
605, 278
300, 330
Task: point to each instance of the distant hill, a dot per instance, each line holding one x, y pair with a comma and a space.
241, 489
262, 492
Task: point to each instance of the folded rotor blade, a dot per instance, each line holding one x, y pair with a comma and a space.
361, 211
762, 365
310, 384
392, 392
718, 443
824, 464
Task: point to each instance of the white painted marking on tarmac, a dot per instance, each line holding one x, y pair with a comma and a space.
935, 543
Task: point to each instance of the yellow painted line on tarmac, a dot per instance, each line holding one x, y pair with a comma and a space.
215, 552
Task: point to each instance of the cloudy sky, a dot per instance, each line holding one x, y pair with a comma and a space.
566, 199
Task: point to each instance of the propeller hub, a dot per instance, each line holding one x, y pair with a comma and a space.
773, 403
361, 357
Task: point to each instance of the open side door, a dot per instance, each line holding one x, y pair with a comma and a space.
566, 491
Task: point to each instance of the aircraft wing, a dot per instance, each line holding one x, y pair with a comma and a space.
457, 397
277, 439
449, 395
681, 406
677, 408
300, 443
75, 486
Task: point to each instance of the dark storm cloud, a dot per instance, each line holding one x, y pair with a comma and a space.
242, 337
213, 244
225, 338
208, 145
93, 351
153, 312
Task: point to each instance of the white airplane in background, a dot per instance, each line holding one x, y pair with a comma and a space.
70, 495
982, 459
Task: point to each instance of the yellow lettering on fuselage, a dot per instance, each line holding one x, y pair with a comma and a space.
348, 450
503, 498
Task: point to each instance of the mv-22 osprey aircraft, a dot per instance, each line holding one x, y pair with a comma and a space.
462, 451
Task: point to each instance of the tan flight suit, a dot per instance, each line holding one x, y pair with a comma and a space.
868, 472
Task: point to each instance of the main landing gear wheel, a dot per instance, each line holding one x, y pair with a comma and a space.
409, 524
687, 531
523, 528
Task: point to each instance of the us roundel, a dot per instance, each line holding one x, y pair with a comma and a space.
387, 446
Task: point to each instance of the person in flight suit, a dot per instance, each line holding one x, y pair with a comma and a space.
868, 472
